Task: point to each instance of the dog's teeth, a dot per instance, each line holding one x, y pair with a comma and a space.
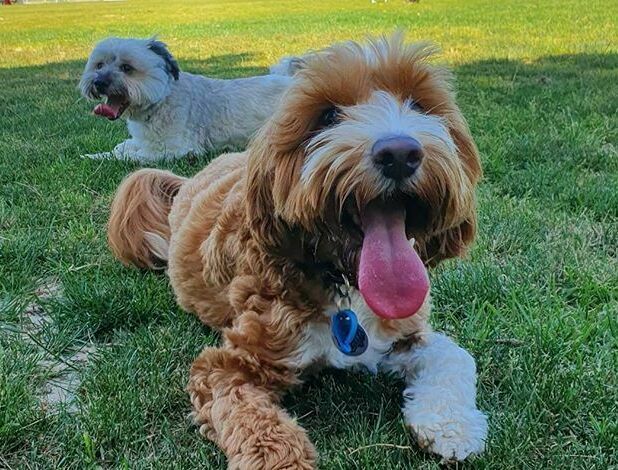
105, 99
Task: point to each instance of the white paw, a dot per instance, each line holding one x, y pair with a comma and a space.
454, 432
99, 156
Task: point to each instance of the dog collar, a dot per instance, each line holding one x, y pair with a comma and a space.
348, 334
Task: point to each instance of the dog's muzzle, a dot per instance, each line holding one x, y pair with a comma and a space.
101, 83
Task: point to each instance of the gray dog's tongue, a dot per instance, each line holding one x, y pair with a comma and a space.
107, 110
391, 276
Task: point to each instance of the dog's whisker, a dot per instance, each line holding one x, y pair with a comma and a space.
434, 107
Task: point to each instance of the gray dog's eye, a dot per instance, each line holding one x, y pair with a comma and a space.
99, 66
126, 68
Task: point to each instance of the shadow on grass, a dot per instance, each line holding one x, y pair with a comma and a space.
546, 130
225, 66
49, 91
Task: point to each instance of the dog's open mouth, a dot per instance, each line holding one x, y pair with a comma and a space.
112, 108
391, 275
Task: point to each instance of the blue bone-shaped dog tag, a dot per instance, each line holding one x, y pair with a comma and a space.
348, 334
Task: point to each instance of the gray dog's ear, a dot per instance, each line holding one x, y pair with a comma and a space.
160, 49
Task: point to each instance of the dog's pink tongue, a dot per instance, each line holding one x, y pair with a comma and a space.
391, 276
107, 110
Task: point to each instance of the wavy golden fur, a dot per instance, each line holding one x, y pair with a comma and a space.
138, 226
250, 237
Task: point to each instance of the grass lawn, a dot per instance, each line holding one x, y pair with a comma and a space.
94, 357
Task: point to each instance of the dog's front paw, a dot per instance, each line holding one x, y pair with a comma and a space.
272, 442
453, 432
99, 156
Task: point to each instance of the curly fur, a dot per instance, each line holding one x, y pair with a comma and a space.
249, 238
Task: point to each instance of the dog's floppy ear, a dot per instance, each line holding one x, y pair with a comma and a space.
160, 48
454, 241
271, 174
266, 226
451, 243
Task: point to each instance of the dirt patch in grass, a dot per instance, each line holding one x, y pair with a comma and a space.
61, 371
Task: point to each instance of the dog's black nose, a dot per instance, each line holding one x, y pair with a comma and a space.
100, 84
397, 157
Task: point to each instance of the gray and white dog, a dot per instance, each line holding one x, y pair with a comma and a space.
171, 113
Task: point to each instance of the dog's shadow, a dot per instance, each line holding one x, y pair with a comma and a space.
225, 65
45, 125
334, 405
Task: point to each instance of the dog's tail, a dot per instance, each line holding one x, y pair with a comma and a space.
288, 66
138, 230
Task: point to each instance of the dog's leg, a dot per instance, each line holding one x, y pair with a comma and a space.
130, 150
127, 150
235, 401
99, 156
440, 397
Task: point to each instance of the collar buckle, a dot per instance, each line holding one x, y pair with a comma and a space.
342, 293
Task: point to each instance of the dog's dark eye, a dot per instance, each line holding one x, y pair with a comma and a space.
126, 68
99, 66
329, 117
416, 106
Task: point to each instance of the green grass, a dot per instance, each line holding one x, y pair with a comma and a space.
536, 302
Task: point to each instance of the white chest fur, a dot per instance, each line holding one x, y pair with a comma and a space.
317, 343
440, 394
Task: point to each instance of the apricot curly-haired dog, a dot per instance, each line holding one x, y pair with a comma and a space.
365, 174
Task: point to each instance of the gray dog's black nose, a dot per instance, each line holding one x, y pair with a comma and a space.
100, 84
397, 157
